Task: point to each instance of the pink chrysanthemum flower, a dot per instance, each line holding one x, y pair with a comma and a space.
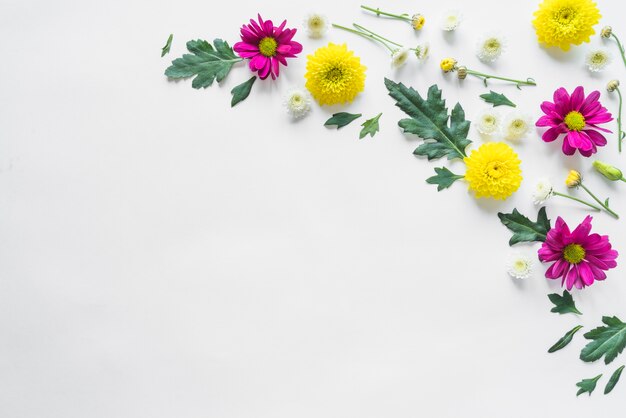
577, 117
267, 46
579, 257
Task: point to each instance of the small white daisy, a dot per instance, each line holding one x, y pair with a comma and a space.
421, 51
490, 46
544, 190
519, 266
316, 25
597, 59
451, 20
297, 102
399, 57
488, 122
515, 126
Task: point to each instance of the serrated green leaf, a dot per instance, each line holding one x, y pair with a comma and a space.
608, 341
241, 92
206, 63
525, 230
564, 340
429, 121
563, 304
443, 179
168, 45
342, 119
497, 99
370, 127
587, 385
613, 380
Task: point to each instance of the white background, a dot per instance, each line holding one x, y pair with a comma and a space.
163, 255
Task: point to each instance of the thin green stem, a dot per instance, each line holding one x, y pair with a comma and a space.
577, 200
621, 47
380, 12
365, 35
599, 202
623, 179
528, 82
362, 28
620, 134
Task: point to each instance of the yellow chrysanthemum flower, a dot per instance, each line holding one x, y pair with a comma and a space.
334, 74
493, 170
565, 22
447, 65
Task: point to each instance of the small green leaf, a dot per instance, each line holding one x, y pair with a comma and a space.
563, 304
613, 380
587, 385
206, 63
564, 340
370, 127
525, 230
444, 178
168, 45
606, 202
607, 341
342, 119
497, 99
241, 92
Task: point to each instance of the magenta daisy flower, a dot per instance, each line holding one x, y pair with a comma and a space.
579, 257
267, 46
577, 117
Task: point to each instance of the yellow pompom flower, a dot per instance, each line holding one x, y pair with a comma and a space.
565, 22
493, 170
334, 74
447, 65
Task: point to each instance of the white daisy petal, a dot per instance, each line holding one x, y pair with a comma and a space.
488, 122
544, 190
399, 57
451, 20
316, 25
597, 59
490, 46
298, 102
515, 126
519, 266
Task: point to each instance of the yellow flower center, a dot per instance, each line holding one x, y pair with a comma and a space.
268, 46
565, 15
492, 45
575, 121
598, 58
334, 75
574, 253
315, 22
495, 169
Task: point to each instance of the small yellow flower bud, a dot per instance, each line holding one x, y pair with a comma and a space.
606, 32
612, 85
574, 179
418, 21
462, 72
448, 64
608, 171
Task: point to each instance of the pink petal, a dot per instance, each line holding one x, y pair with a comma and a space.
578, 97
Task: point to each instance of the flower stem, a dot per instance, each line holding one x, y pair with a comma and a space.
598, 200
364, 29
364, 34
620, 133
380, 12
577, 200
528, 82
621, 47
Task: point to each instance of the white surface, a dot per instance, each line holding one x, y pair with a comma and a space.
163, 255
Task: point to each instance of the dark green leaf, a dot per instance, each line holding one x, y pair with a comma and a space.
563, 304
525, 230
241, 92
613, 380
587, 385
565, 340
606, 341
168, 45
206, 63
370, 127
429, 121
444, 178
341, 119
497, 99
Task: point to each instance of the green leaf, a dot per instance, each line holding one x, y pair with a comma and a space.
342, 119
564, 340
525, 230
168, 45
444, 178
613, 380
497, 99
241, 92
206, 63
563, 304
606, 341
587, 385
370, 127
429, 120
